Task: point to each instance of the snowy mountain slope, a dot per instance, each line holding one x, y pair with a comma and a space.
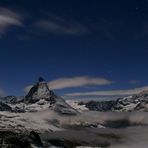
26, 121
138, 102
76, 105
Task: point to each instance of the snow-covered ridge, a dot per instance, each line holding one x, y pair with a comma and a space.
138, 102
39, 98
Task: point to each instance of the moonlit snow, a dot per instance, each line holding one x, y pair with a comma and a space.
69, 123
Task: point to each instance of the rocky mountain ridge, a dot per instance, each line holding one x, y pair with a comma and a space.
39, 97
137, 102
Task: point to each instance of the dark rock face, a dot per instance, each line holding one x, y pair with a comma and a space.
19, 110
35, 138
101, 106
5, 107
28, 97
41, 79
37, 92
11, 99
10, 139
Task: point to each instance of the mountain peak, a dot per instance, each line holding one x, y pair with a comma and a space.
41, 79
39, 91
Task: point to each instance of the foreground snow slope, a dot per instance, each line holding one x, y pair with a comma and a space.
27, 121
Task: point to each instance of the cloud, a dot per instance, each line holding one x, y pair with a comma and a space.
58, 25
134, 82
72, 82
77, 82
8, 18
109, 92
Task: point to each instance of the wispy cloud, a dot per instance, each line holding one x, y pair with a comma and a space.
77, 82
109, 92
134, 82
8, 18
59, 25
72, 82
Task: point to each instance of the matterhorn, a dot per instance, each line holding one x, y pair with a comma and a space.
40, 97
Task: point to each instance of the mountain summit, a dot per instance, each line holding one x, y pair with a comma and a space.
39, 91
41, 94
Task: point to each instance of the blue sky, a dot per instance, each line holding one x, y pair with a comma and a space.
94, 46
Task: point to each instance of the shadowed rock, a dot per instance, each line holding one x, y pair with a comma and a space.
41, 91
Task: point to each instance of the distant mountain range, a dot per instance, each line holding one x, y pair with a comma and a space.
41, 97
41, 111
138, 102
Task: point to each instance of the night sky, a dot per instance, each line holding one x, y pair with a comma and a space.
91, 48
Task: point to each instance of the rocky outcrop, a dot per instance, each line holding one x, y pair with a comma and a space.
101, 106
